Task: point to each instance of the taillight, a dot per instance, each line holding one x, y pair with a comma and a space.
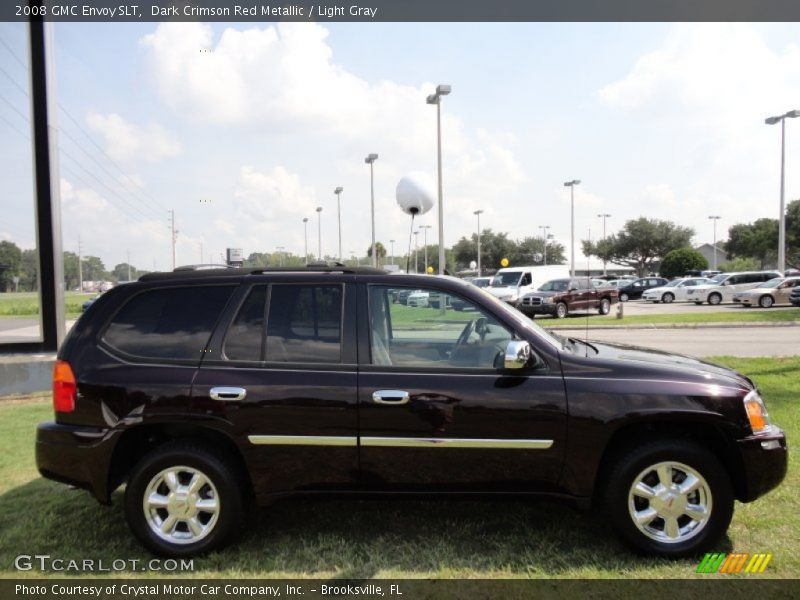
64, 387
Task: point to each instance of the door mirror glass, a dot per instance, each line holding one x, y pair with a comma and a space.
518, 354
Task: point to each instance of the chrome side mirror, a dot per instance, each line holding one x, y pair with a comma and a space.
518, 354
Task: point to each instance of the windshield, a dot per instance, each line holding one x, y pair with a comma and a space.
506, 279
481, 282
673, 283
772, 283
556, 285
717, 279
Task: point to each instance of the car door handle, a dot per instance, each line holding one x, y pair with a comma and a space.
227, 394
390, 397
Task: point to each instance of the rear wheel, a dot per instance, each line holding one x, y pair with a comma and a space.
714, 299
605, 306
670, 498
623, 297
668, 298
183, 500
561, 310
766, 301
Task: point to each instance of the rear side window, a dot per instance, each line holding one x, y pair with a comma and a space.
170, 323
305, 324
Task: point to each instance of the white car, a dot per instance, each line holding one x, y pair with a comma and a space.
418, 299
723, 287
675, 290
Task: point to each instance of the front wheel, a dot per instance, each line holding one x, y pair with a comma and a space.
670, 498
183, 500
714, 299
605, 306
668, 298
766, 301
561, 310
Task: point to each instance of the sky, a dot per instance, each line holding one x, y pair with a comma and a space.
243, 130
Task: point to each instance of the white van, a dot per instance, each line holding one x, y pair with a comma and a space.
512, 283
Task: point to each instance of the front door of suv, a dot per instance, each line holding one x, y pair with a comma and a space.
437, 410
280, 377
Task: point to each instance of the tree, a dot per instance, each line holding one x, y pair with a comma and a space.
641, 242
71, 270
757, 240
10, 262
120, 272
740, 264
678, 262
256, 260
530, 251
494, 248
29, 269
793, 233
94, 269
380, 251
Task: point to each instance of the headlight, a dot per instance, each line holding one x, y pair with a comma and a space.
547, 300
757, 413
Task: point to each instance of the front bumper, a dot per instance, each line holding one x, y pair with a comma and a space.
78, 456
765, 459
537, 309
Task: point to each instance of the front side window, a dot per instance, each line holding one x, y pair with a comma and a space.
169, 323
304, 324
408, 336
245, 339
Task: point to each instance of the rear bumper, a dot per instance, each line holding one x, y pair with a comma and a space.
765, 459
78, 456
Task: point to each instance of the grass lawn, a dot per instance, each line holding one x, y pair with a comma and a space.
393, 538
781, 315
27, 303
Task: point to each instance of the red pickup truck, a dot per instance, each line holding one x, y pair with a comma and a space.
559, 297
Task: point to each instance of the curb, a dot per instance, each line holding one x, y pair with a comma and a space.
721, 325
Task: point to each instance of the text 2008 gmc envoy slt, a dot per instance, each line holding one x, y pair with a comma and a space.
206, 390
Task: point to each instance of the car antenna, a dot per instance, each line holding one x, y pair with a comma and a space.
588, 274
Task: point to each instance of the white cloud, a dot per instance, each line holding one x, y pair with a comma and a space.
127, 142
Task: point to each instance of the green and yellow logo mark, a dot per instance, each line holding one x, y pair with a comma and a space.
738, 562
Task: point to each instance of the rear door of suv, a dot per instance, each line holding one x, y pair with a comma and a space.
280, 376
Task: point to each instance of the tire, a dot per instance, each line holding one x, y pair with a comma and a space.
766, 301
561, 310
605, 306
668, 298
675, 534
623, 297
223, 485
714, 299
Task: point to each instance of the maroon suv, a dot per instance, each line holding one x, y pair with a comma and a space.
206, 390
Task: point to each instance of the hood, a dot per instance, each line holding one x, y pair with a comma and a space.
502, 292
543, 294
703, 371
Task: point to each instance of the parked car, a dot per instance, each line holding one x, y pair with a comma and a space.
722, 287
634, 289
674, 290
402, 296
512, 283
481, 282
418, 298
772, 292
201, 391
558, 297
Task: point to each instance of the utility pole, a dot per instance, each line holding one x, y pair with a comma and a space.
174, 235
544, 229
416, 262
604, 216
338, 191
201, 253
80, 265
425, 242
392, 244
478, 213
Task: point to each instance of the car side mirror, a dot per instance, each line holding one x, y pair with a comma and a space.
518, 354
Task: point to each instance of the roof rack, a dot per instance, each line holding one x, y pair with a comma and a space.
191, 271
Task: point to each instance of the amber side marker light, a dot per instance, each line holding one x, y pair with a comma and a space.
64, 387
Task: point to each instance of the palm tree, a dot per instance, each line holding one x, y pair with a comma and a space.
380, 251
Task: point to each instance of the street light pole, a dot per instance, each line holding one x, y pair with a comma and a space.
391, 242
544, 229
571, 185
305, 227
280, 255
370, 160
714, 218
478, 213
319, 233
338, 192
416, 262
782, 218
425, 242
441, 90
604, 216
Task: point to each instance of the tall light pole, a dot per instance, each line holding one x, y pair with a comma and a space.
305, 227
714, 218
604, 216
782, 218
370, 160
280, 254
544, 229
416, 262
478, 213
338, 191
441, 90
319, 233
391, 242
571, 185
425, 243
